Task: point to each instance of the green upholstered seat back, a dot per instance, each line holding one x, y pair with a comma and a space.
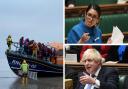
87, 2
123, 82
69, 23
82, 2
105, 1
106, 23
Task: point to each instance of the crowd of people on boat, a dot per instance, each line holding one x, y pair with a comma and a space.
31, 47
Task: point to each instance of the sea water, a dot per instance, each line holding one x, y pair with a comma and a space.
8, 80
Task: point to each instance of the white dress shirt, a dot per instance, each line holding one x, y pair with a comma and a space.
97, 83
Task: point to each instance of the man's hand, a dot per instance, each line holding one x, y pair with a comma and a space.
86, 79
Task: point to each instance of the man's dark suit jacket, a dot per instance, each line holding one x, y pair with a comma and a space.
108, 78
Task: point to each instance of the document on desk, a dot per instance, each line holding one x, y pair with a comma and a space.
117, 36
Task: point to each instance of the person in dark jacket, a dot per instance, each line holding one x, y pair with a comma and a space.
95, 76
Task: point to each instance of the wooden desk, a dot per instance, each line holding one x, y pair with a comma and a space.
106, 36
122, 67
79, 11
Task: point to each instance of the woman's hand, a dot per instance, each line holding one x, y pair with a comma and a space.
109, 41
85, 37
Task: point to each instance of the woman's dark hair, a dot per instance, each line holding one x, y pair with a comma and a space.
95, 7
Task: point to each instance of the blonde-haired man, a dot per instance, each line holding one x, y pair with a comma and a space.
95, 76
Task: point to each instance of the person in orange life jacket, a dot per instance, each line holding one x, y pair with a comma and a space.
35, 49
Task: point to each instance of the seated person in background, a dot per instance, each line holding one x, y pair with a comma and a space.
95, 76
104, 49
87, 30
123, 54
70, 3
112, 54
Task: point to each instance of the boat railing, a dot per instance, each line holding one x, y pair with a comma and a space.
22, 55
16, 45
17, 50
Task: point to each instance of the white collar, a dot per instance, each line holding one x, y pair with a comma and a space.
97, 72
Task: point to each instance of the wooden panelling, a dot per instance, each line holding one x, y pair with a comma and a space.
122, 67
79, 11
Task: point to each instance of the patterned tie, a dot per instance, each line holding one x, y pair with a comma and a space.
93, 75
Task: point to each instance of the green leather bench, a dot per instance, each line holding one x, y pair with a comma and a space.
87, 2
106, 23
123, 82
69, 23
